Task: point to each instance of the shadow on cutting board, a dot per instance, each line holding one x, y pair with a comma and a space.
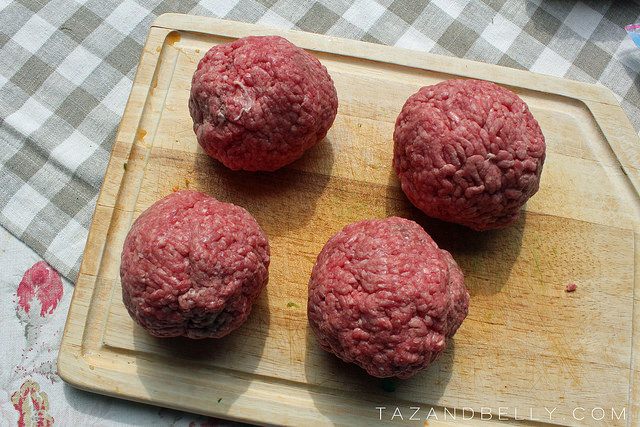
187, 362
281, 201
120, 412
329, 377
485, 257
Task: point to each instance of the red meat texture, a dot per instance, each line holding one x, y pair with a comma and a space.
193, 266
259, 102
384, 296
469, 152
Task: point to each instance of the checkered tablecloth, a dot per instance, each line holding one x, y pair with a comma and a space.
66, 69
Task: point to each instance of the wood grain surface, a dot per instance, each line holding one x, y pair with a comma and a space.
529, 352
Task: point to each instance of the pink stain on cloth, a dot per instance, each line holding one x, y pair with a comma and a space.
40, 284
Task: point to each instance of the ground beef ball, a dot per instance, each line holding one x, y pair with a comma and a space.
259, 102
384, 296
469, 152
193, 266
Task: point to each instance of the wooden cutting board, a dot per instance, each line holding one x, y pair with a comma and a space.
529, 352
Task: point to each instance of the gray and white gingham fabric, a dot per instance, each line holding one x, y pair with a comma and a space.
66, 69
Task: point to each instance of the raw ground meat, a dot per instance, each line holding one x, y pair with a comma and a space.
469, 152
259, 102
193, 266
384, 296
571, 287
